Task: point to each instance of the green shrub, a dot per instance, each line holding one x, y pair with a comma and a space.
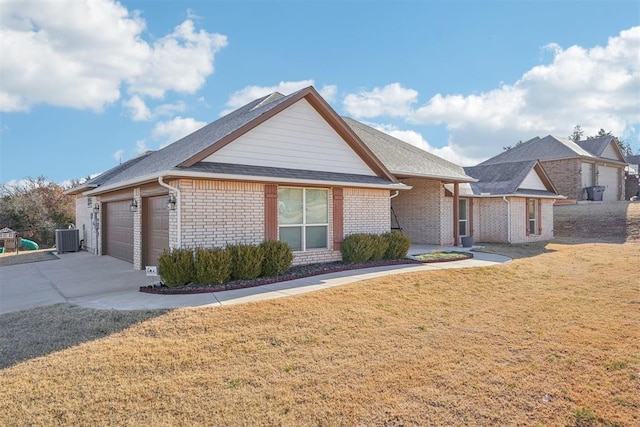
176, 267
357, 247
380, 246
398, 245
277, 258
213, 266
246, 261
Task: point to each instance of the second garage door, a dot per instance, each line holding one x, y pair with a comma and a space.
155, 228
118, 230
608, 178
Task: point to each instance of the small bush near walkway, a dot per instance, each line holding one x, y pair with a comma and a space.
176, 267
278, 258
362, 247
213, 266
246, 261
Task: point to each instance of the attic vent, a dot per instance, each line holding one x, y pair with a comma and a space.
273, 97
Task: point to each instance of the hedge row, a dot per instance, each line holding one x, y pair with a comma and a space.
363, 247
180, 267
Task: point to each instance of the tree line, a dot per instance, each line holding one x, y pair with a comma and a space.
35, 207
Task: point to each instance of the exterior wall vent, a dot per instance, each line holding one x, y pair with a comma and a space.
67, 240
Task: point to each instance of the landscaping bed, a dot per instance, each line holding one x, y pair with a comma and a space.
444, 256
296, 272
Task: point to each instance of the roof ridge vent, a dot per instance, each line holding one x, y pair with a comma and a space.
273, 97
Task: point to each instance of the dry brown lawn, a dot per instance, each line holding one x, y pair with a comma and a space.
551, 339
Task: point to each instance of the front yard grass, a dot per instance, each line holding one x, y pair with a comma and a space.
550, 339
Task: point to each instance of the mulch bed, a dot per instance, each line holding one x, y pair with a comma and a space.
296, 272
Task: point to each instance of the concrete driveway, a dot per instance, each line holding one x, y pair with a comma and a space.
104, 282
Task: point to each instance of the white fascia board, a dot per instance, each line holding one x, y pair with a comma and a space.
530, 196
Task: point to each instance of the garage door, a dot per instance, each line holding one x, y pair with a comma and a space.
156, 228
118, 230
609, 179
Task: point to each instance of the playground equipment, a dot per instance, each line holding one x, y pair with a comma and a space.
29, 245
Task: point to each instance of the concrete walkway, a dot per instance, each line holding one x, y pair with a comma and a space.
104, 282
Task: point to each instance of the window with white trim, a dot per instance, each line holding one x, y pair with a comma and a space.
532, 209
303, 217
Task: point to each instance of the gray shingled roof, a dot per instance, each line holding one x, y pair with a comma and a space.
169, 157
284, 173
634, 160
503, 178
596, 146
404, 159
547, 148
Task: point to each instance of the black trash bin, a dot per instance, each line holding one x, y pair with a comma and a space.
595, 193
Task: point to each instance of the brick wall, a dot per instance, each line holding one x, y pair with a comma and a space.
366, 211
565, 175
137, 231
423, 213
217, 213
490, 220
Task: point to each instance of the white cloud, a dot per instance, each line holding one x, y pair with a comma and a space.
141, 146
172, 130
448, 152
138, 109
118, 155
329, 92
595, 87
250, 93
392, 100
80, 54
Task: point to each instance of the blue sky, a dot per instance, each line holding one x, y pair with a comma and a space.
86, 84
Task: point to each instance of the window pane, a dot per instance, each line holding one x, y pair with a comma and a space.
532, 227
462, 211
317, 207
292, 236
316, 237
289, 206
532, 209
463, 228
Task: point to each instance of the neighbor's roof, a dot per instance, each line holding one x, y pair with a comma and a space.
406, 160
596, 146
184, 156
506, 179
634, 160
547, 148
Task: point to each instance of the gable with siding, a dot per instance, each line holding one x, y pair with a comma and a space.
296, 138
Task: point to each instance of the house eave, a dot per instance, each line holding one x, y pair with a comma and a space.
246, 178
521, 195
447, 179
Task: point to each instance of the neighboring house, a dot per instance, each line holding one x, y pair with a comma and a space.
426, 213
572, 167
631, 177
281, 167
520, 192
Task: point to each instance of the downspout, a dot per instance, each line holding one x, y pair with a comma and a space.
394, 195
179, 208
508, 218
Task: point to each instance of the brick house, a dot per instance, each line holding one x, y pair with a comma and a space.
281, 167
573, 167
427, 213
511, 202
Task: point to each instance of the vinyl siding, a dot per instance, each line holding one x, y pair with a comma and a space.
296, 138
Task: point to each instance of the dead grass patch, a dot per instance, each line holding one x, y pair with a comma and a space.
547, 340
